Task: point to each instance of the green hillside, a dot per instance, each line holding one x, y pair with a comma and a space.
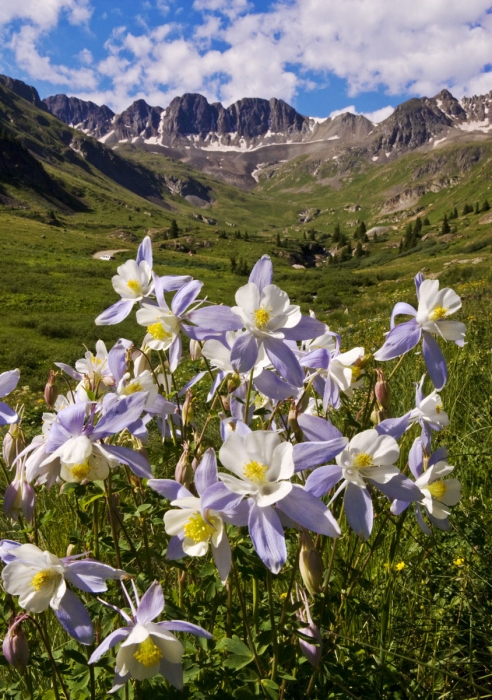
64, 196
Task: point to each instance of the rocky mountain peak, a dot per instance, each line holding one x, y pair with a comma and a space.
140, 119
86, 116
28, 92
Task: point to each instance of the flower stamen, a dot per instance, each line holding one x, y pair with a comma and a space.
135, 286
437, 313
80, 471
197, 529
148, 653
43, 578
363, 460
255, 472
437, 489
262, 317
157, 331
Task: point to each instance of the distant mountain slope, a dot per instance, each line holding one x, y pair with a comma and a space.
234, 143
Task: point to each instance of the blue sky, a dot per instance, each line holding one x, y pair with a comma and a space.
321, 56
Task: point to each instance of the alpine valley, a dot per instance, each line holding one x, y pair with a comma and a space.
346, 207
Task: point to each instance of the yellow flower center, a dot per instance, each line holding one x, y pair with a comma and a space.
437, 489
363, 460
356, 372
43, 578
437, 313
261, 318
135, 286
80, 471
158, 332
255, 472
148, 653
132, 388
198, 530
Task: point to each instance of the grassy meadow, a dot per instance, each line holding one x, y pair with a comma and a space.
403, 615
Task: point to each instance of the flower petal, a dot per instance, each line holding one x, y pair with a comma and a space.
359, 511
268, 538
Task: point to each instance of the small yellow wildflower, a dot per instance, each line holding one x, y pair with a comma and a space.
400, 566
459, 561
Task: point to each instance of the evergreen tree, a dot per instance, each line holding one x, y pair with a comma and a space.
477, 208
366, 238
445, 228
418, 226
485, 206
455, 213
359, 252
337, 234
233, 262
246, 237
426, 221
407, 241
467, 209
400, 247
173, 229
375, 237
279, 242
343, 240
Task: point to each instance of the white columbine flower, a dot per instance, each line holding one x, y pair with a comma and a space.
436, 305
439, 494
267, 312
198, 532
344, 371
36, 577
134, 280
369, 456
262, 465
141, 382
430, 410
162, 326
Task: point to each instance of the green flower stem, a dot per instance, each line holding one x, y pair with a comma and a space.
41, 627
112, 523
256, 594
273, 674
242, 602
95, 527
248, 396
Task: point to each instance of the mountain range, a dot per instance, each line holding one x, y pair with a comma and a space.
235, 143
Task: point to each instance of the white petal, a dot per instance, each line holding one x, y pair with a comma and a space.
76, 450
271, 493
195, 549
380, 475
452, 494
248, 297
240, 486
233, 453
282, 465
260, 446
175, 520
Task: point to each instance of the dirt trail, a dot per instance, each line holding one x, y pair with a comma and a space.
100, 253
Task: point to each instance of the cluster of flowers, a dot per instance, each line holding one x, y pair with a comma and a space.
267, 358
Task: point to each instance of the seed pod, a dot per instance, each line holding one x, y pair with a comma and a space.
195, 350
51, 390
187, 410
311, 650
13, 444
233, 383
294, 424
183, 473
310, 564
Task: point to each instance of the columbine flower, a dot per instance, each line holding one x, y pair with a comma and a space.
369, 458
195, 525
262, 466
438, 493
270, 319
435, 306
428, 413
335, 372
8, 382
39, 579
74, 441
147, 647
164, 324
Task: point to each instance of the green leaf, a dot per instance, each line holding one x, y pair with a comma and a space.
234, 645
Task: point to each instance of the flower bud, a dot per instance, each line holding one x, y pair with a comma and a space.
14, 647
233, 383
294, 424
13, 444
51, 390
188, 410
183, 473
310, 564
195, 350
311, 650
361, 362
377, 416
382, 390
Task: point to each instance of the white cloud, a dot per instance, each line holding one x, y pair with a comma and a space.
23, 44
85, 56
401, 48
377, 116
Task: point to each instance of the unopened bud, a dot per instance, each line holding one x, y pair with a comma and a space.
382, 390
310, 564
233, 383
188, 410
183, 473
108, 380
13, 444
15, 647
195, 350
115, 515
294, 424
313, 645
51, 390
304, 401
